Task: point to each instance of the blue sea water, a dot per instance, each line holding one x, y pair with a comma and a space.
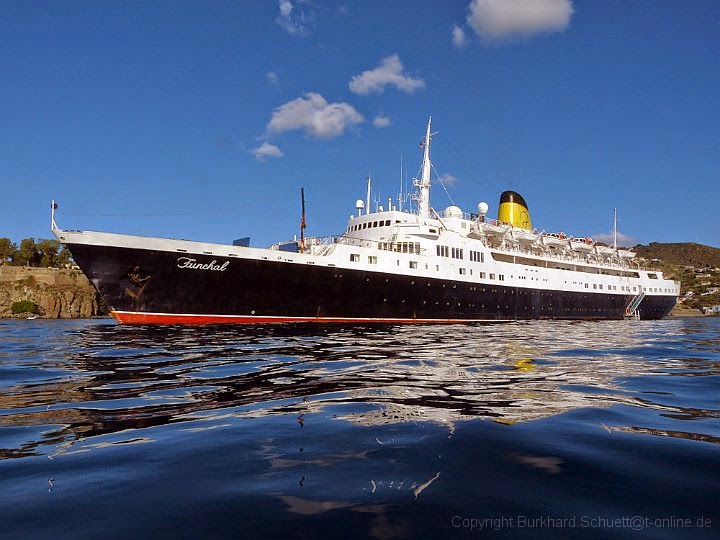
544, 429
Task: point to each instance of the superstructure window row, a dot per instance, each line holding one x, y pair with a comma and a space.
445, 251
400, 247
370, 225
476, 256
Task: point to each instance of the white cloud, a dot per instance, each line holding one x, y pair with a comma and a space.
502, 19
389, 72
381, 121
622, 239
448, 179
315, 116
458, 37
267, 150
297, 24
273, 78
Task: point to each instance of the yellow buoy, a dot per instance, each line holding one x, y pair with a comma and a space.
513, 210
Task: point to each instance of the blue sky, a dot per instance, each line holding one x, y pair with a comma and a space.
202, 120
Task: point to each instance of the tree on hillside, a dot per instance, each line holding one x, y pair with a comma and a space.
49, 253
7, 250
64, 257
27, 254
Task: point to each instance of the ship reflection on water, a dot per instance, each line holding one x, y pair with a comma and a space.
111, 378
383, 431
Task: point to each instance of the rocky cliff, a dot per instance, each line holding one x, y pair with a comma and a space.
59, 293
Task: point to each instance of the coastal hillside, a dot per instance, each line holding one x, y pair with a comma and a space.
51, 293
681, 254
696, 266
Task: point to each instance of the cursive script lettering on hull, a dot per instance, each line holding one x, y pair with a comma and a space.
192, 264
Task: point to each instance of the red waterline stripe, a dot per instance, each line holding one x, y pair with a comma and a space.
133, 317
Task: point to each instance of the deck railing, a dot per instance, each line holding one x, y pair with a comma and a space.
321, 246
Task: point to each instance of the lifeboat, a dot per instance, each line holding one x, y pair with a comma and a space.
555, 240
493, 228
523, 235
626, 254
583, 245
604, 251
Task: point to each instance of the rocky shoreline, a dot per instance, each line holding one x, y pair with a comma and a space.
57, 293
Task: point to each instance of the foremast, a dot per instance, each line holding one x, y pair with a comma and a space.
423, 184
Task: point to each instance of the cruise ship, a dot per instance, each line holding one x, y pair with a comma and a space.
389, 266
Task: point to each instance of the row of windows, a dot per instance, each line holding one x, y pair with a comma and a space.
557, 265
400, 247
444, 251
658, 289
370, 225
372, 259
476, 256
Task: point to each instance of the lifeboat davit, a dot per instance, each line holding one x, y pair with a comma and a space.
555, 240
523, 235
496, 229
604, 251
583, 245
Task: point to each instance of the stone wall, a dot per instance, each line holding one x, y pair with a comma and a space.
60, 293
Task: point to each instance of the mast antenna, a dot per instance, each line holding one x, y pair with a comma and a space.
423, 184
367, 205
614, 228
302, 222
400, 196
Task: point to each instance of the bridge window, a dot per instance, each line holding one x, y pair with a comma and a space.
354, 257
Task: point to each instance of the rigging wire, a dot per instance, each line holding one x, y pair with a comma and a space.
442, 184
466, 162
225, 209
471, 167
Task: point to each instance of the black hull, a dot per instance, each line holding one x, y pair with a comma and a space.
134, 282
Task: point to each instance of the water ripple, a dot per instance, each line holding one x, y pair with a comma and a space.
89, 379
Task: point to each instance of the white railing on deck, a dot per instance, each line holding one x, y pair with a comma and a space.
321, 246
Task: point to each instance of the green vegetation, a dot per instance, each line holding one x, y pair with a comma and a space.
7, 249
683, 254
696, 266
41, 253
24, 306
